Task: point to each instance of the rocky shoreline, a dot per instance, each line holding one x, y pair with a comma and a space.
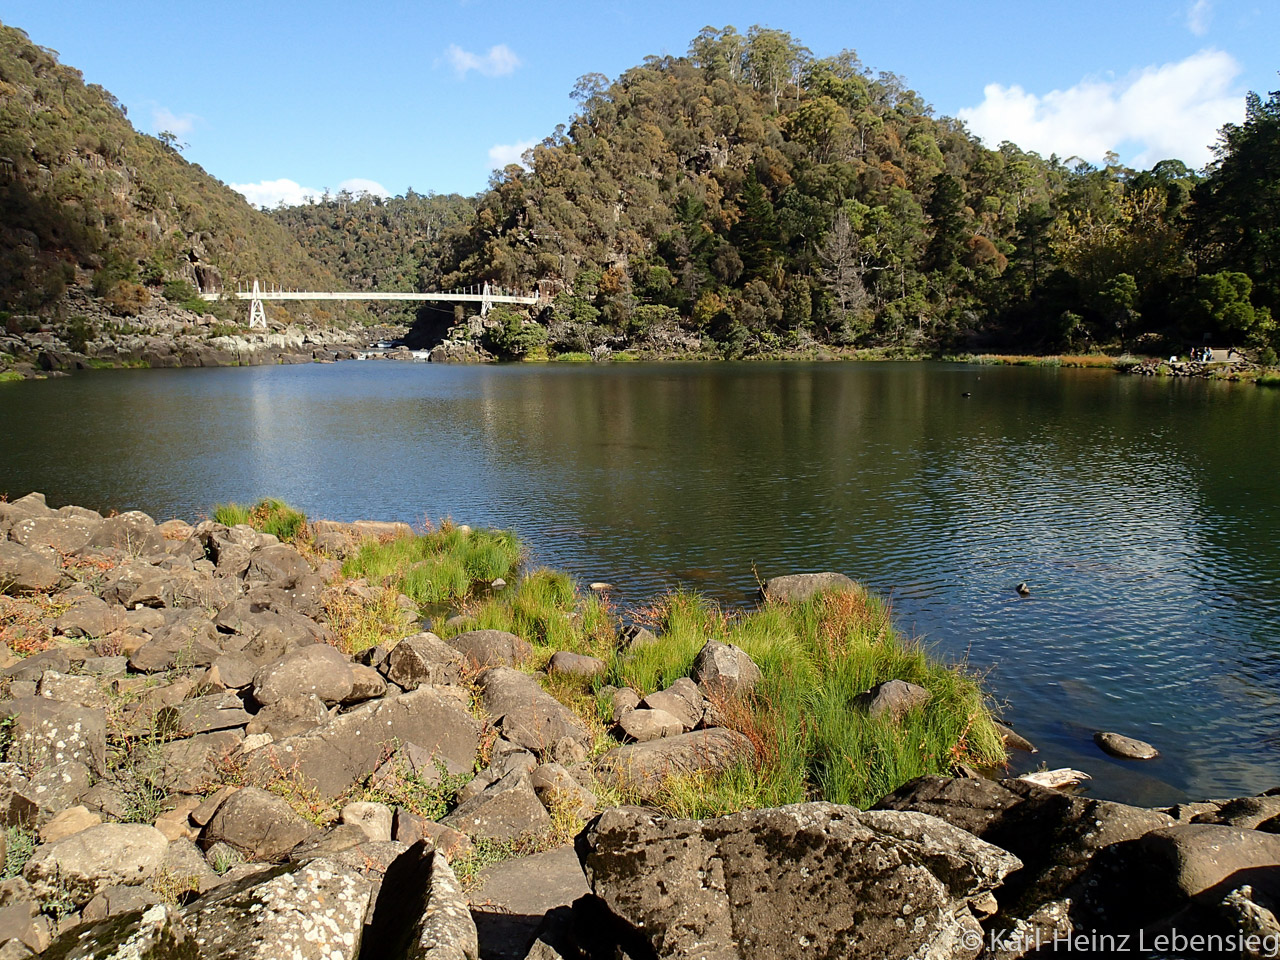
192, 769
163, 335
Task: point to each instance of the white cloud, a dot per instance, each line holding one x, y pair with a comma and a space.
361, 185
162, 118
1198, 16
501, 154
498, 62
1172, 111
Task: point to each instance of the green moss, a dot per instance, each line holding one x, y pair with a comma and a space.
10, 376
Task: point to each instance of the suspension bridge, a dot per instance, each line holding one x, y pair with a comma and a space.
485, 294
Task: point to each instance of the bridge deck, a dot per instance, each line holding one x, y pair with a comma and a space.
334, 295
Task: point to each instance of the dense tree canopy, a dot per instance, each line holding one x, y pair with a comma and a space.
762, 196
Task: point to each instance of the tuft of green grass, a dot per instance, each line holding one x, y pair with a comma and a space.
572, 356
547, 609
10, 376
232, 514
438, 566
812, 740
1269, 378
266, 516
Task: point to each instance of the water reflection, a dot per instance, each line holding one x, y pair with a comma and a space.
1143, 514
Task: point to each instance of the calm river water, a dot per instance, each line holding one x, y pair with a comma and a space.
1144, 514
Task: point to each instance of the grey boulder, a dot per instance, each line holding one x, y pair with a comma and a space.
725, 670
802, 586
808, 880
258, 824
106, 854
643, 768
488, 648
317, 669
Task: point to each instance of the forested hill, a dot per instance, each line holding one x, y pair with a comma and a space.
376, 244
754, 194
86, 198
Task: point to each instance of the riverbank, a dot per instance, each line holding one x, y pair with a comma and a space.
163, 335
194, 704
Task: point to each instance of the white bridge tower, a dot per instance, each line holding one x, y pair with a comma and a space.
257, 313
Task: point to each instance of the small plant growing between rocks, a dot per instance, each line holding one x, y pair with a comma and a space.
136, 767
174, 888
20, 843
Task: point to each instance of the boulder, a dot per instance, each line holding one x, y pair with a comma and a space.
69, 821
896, 698
218, 711
184, 860
109, 853
317, 669
60, 534
724, 670
1246, 812
808, 880
340, 539
633, 636
373, 818
85, 691
133, 533
115, 900
409, 828
91, 617
505, 810
649, 724
488, 648
569, 664
423, 659
24, 571
276, 563
155, 932
802, 586
303, 911
57, 659
58, 786
289, 717
555, 786
234, 671
682, 700
1014, 740
512, 898
1055, 834
44, 732
643, 767
189, 640
191, 765
1158, 876
1127, 748
266, 632
421, 912
332, 757
366, 684
525, 713
624, 701
258, 824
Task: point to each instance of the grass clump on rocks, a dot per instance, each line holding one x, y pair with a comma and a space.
812, 737
266, 516
437, 566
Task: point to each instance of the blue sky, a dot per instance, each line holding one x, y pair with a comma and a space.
282, 99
